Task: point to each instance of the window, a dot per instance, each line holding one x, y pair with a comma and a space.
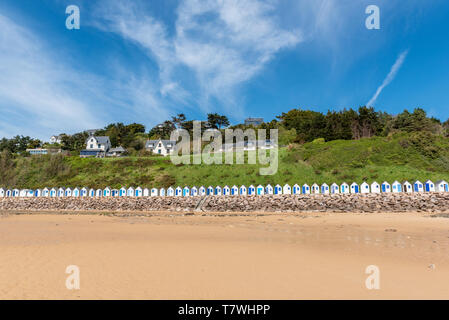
160, 144
159, 151
99, 145
91, 146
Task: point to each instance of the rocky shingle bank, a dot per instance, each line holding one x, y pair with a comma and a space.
421, 202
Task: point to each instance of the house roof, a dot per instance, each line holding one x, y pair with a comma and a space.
118, 149
100, 139
154, 142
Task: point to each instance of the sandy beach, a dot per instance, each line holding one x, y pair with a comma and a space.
274, 256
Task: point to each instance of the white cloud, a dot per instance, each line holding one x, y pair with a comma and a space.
390, 77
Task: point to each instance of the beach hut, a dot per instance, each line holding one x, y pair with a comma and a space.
146, 192
355, 188
61, 192
287, 189
2, 192
296, 189
218, 191
45, 192
130, 192
15, 193
68, 192
430, 186
8, 193
234, 190
154, 192
178, 192
115, 193
138, 192
162, 192
76, 192
107, 192
269, 189
53, 192
306, 189
251, 190
202, 191
396, 187
92, 192
98, 193
442, 186
335, 188
386, 188
186, 192
37, 193
226, 191
344, 188
122, 192
418, 186
210, 191
194, 191
170, 192
243, 191
23, 193
364, 188
30, 193
375, 187
84, 192
260, 190
277, 189
407, 187
315, 188
325, 188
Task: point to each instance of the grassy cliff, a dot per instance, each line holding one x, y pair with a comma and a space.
397, 157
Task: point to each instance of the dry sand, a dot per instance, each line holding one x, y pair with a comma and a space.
275, 256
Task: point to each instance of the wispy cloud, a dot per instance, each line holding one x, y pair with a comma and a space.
390, 77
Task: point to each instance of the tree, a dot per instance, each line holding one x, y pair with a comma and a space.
217, 121
178, 120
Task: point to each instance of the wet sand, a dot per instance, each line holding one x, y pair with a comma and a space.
277, 256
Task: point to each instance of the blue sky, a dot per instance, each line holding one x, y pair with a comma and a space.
144, 61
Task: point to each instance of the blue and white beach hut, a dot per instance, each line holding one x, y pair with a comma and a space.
305, 189
442, 186
61, 192
243, 191
115, 193
234, 191
2, 192
178, 192
194, 191
154, 192
226, 191
146, 192
84, 192
344, 188
315, 188
53, 192
407, 187
98, 193
45, 192
218, 191
162, 192
15, 193
68, 192
260, 190
251, 190
38, 193
364, 188
355, 188
170, 192
418, 186
30, 193
325, 189
296, 189
277, 189
122, 192
269, 189
8, 193
386, 187
335, 188
202, 191
430, 186
138, 192
210, 191
130, 192
107, 192
287, 189
375, 187
186, 192
396, 187
76, 192
23, 193
92, 192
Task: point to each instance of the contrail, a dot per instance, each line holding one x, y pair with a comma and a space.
391, 75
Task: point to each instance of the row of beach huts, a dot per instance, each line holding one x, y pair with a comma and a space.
395, 187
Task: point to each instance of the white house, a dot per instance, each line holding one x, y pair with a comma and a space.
344, 188
296, 189
107, 192
2, 192
178, 192
98, 193
138, 192
61, 192
154, 192
162, 147
218, 191
407, 187
162, 192
315, 189
418, 186
202, 191
68, 192
287, 189
355, 188
325, 188
122, 192
277, 189
242, 190
375, 187
234, 190
194, 191
442, 186
226, 191
269, 189
260, 190
364, 188
96, 146
53, 192
45, 192
430, 186
186, 192
305, 189
386, 187
210, 191
130, 192
146, 192
335, 188
396, 187
251, 190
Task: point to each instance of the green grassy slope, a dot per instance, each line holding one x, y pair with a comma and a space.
399, 157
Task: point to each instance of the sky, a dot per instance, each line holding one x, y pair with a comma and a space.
145, 61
